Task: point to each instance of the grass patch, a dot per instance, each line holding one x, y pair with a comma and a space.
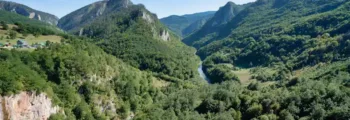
29, 38
243, 75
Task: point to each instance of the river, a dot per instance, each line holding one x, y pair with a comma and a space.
202, 74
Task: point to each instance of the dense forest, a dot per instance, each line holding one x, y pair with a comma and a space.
285, 34
118, 66
136, 36
74, 75
186, 24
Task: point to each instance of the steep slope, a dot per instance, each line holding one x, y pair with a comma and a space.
87, 83
27, 106
186, 24
28, 12
28, 25
79, 77
83, 16
288, 33
220, 19
132, 33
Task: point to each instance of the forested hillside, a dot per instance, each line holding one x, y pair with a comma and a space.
187, 24
125, 64
82, 79
87, 14
136, 36
221, 19
28, 12
296, 34
12, 18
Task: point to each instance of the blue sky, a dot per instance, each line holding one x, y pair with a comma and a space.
162, 8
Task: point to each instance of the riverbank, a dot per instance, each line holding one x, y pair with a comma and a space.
202, 74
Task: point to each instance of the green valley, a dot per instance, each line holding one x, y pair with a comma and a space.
115, 60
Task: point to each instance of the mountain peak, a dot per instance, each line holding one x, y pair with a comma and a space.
28, 12
119, 3
230, 3
226, 13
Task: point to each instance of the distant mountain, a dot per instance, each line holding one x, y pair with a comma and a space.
220, 19
186, 24
28, 12
90, 12
12, 18
135, 35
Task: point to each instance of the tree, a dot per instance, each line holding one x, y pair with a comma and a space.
4, 25
13, 35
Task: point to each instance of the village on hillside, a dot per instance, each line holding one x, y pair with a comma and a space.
13, 37
23, 44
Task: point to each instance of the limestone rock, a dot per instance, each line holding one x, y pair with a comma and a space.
164, 35
26, 106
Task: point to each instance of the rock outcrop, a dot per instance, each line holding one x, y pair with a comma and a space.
28, 12
164, 35
147, 17
26, 106
79, 18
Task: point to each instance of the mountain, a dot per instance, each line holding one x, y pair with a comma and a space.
90, 12
186, 24
220, 19
28, 25
134, 34
271, 32
273, 60
28, 12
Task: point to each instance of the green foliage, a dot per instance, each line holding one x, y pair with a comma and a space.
4, 25
13, 34
61, 69
12, 18
16, 76
83, 112
135, 40
57, 117
277, 34
88, 83
25, 11
36, 31
186, 24
221, 73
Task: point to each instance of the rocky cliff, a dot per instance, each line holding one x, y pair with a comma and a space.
26, 106
85, 15
28, 12
221, 18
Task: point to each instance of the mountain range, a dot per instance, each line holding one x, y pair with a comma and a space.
90, 12
186, 24
264, 60
28, 12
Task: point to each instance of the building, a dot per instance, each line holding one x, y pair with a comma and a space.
22, 43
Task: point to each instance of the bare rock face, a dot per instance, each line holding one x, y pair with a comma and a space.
26, 106
164, 35
28, 12
147, 17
